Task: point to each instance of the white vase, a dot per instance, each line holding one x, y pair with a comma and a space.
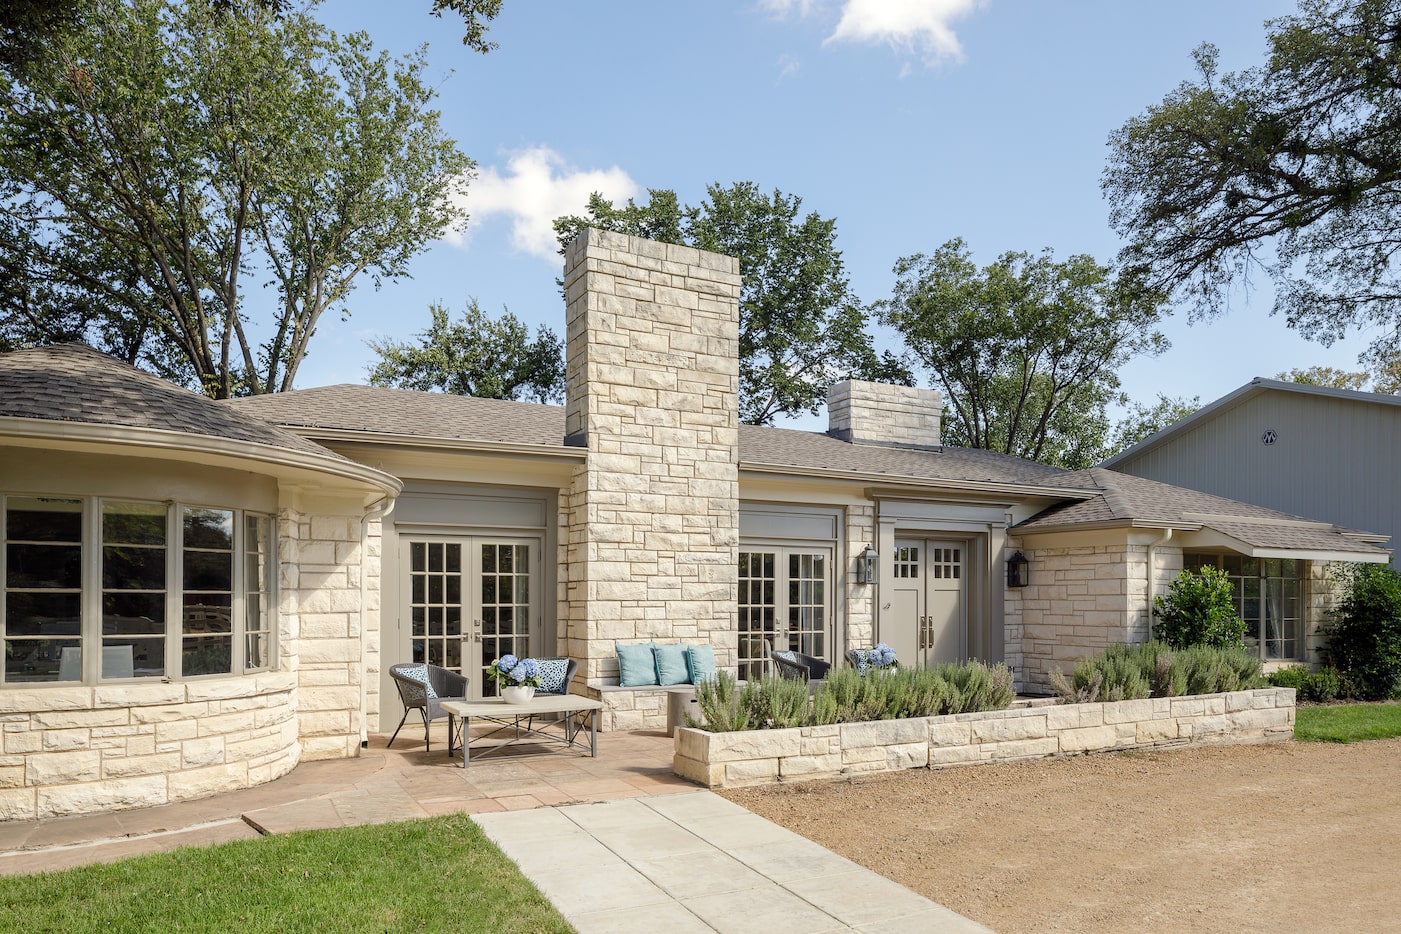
517, 694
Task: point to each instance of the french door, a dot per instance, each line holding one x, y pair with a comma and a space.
470, 600
783, 603
928, 586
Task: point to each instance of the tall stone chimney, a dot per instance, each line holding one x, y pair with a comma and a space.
879, 413
653, 394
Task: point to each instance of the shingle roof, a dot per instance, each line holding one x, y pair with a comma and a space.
74, 383
410, 413
1126, 498
813, 452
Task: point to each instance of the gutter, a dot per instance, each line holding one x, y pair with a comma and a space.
313, 433
924, 483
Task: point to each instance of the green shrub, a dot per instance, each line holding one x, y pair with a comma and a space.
1133, 672
776, 703
1317, 687
721, 705
1199, 609
1365, 640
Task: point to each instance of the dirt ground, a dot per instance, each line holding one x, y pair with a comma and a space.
1286, 837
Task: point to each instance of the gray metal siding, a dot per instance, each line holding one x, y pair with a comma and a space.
1336, 460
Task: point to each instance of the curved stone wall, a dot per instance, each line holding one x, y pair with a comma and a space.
76, 750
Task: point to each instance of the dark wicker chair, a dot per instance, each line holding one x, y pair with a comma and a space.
799, 667
424, 688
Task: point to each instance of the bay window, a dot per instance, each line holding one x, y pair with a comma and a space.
104, 589
1269, 596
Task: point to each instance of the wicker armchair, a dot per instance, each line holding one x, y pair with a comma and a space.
424, 688
796, 666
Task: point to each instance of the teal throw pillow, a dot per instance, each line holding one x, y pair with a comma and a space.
700, 659
671, 663
636, 665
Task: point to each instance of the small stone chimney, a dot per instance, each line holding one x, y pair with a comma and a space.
879, 413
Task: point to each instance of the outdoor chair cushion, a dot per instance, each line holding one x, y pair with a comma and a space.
671, 663
637, 666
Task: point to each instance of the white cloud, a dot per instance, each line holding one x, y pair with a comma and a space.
924, 25
788, 66
537, 186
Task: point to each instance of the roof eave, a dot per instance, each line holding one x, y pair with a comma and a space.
397, 439
923, 483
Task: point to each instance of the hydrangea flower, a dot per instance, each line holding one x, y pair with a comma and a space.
505, 663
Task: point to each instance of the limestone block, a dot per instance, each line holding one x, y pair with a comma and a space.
952, 755
1259, 720
1184, 708
1010, 728
224, 724
1272, 697
1088, 739
12, 776
1204, 727
694, 770
201, 752
907, 756
54, 768
1128, 711
108, 795
315, 748
143, 695
21, 743
17, 804
811, 766
884, 733
196, 783
750, 772
1215, 704
755, 744
1155, 731
1073, 716
945, 731
325, 723
58, 740
126, 766
61, 719
328, 698
220, 689
1238, 700
176, 731
27, 702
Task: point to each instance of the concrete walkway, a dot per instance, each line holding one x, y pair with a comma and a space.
616, 843
693, 863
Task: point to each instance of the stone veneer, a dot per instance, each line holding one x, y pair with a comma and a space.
879, 412
728, 760
75, 750
1080, 601
653, 515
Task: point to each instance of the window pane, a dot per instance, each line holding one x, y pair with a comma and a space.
43, 614
204, 613
133, 613
206, 656
133, 523
128, 567
45, 567
43, 520
42, 660
208, 528
208, 570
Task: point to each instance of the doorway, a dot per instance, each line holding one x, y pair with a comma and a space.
928, 588
470, 600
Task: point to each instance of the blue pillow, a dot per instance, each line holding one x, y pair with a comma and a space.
637, 667
700, 661
671, 663
552, 674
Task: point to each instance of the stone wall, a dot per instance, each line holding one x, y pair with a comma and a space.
75, 750
860, 598
653, 393
727, 760
879, 412
1080, 600
329, 598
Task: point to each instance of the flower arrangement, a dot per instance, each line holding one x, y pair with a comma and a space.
879, 658
509, 671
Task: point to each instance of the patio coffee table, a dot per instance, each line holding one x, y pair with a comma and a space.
509, 716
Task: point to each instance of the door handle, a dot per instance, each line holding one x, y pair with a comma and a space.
476, 630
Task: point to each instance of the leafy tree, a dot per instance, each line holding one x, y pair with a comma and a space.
1365, 641
800, 325
1145, 420
1199, 609
1328, 376
1292, 167
478, 356
1026, 350
163, 154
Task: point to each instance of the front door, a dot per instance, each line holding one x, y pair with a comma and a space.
928, 623
470, 600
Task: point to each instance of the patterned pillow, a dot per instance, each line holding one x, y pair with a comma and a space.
420, 673
787, 656
552, 674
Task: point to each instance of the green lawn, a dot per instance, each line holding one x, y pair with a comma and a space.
440, 874
1348, 723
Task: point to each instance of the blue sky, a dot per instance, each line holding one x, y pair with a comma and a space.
909, 121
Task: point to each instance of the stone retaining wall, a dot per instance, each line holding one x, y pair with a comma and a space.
75, 750
754, 757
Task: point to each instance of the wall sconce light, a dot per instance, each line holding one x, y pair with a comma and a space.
1018, 570
866, 566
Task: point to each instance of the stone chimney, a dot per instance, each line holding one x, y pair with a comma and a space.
652, 391
879, 413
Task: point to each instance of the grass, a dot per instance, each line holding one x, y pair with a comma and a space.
440, 874
1347, 723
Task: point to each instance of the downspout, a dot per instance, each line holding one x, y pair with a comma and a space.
1152, 578
376, 511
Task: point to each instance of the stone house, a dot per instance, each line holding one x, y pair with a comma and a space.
197, 595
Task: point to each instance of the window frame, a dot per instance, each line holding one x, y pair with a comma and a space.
1256, 629
784, 607
93, 546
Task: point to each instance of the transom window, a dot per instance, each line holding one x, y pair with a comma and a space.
1269, 594
106, 589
